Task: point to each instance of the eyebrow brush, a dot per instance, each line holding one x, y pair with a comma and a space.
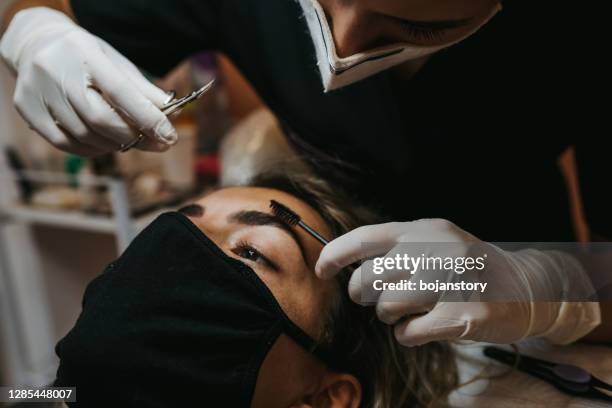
291, 218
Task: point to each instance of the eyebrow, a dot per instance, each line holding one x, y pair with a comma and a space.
258, 218
433, 25
192, 210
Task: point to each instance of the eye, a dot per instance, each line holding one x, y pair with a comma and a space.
250, 254
247, 251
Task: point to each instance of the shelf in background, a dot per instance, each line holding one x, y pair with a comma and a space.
77, 220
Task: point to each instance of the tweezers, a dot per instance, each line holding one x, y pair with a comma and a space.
569, 379
177, 105
173, 107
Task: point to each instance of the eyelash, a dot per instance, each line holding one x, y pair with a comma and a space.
423, 33
245, 246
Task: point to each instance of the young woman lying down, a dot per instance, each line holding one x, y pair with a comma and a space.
217, 305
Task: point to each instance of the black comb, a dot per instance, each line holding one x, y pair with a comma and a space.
289, 217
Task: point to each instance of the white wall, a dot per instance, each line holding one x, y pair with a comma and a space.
18, 270
47, 268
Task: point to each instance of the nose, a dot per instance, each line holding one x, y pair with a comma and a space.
351, 30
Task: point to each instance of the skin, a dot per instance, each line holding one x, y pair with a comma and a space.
362, 25
302, 380
359, 25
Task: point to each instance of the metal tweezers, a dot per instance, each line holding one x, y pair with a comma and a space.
569, 379
177, 105
173, 107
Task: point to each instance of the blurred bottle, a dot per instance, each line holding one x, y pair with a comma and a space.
179, 162
212, 115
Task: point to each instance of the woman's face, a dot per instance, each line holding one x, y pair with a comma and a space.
361, 25
240, 222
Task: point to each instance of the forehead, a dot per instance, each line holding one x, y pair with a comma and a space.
230, 200
238, 198
429, 10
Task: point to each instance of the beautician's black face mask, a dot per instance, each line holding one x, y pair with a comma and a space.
175, 322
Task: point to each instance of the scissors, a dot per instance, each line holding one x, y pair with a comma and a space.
172, 107
569, 379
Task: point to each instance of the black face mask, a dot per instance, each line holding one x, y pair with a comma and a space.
174, 322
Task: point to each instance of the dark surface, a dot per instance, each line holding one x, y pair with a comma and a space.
174, 321
473, 138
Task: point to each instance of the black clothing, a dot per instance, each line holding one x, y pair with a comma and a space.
474, 137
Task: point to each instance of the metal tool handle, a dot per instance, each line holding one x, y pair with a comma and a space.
178, 105
174, 106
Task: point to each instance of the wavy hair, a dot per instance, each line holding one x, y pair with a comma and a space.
391, 376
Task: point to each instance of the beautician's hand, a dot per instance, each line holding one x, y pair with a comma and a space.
77, 91
522, 277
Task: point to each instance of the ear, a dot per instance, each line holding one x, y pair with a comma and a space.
337, 391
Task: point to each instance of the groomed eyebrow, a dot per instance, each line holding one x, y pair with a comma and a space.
258, 218
434, 25
192, 210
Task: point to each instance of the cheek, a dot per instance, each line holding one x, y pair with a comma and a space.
302, 300
307, 304
291, 284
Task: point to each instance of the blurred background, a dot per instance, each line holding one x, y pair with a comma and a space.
64, 218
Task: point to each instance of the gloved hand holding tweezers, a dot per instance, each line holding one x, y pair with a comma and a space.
173, 107
80, 93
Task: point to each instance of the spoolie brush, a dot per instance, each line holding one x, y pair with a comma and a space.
291, 218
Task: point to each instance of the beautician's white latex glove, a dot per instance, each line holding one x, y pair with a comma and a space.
77, 91
522, 277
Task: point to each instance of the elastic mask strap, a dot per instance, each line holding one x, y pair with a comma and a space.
332, 360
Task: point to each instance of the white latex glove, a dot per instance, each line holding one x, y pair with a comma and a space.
520, 276
77, 91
